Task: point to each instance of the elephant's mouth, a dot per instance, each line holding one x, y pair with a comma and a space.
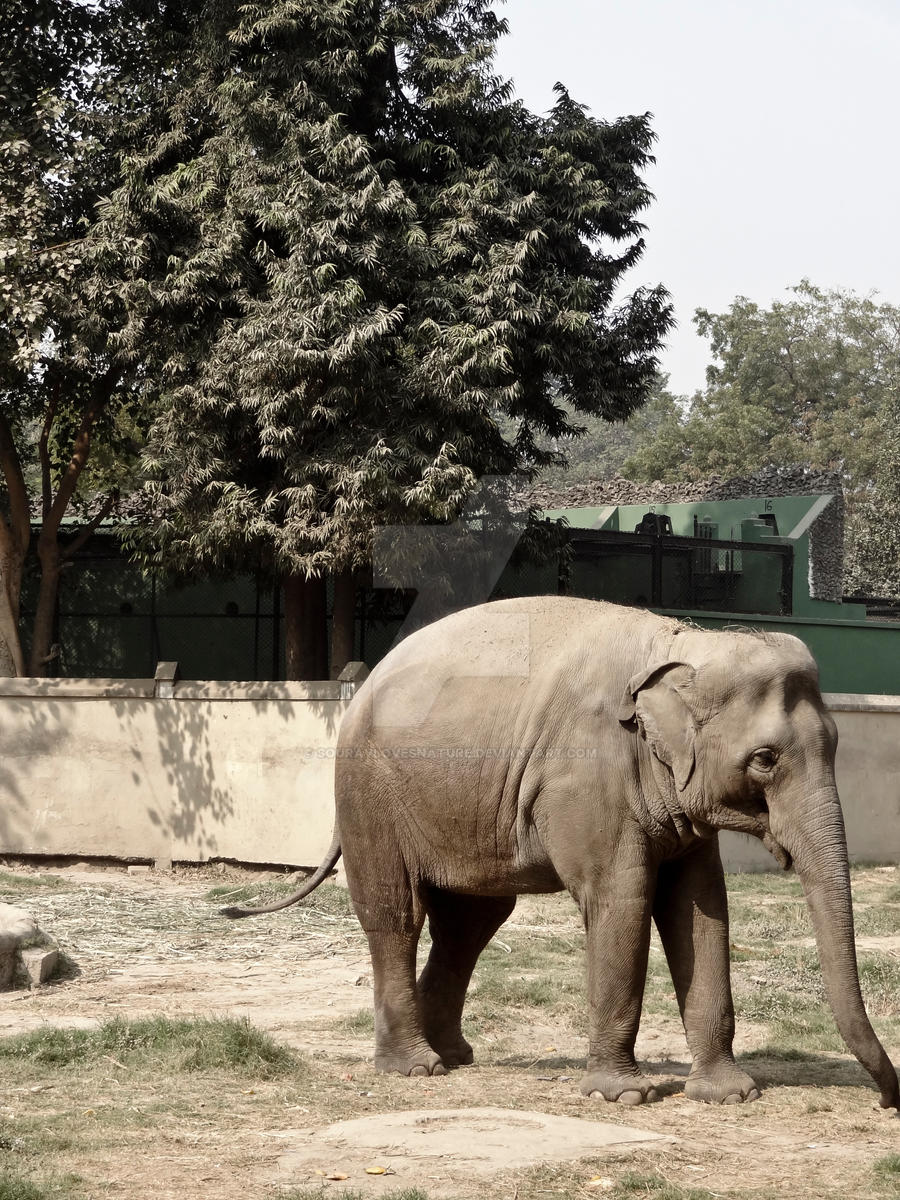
778, 852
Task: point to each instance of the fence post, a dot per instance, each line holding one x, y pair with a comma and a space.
352, 675
165, 679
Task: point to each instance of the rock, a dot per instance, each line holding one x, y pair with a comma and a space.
40, 964
25, 951
17, 922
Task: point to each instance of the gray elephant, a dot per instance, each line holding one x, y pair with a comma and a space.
537, 744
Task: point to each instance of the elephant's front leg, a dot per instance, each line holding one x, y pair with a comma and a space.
691, 914
616, 914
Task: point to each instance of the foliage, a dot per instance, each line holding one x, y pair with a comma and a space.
61, 388
350, 252
604, 450
814, 380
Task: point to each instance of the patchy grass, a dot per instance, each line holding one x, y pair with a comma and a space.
186, 1045
888, 1168
877, 920
763, 884
11, 882
327, 900
16, 1186
359, 1024
136, 1107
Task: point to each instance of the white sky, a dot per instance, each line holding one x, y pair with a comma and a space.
777, 150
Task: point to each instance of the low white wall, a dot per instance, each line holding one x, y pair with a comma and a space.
244, 771
107, 768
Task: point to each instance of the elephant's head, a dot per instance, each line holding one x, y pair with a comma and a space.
739, 721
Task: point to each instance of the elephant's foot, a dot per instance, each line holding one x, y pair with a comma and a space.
453, 1053
420, 1061
445, 1038
622, 1087
720, 1083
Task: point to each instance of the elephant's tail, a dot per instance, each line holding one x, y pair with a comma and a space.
334, 853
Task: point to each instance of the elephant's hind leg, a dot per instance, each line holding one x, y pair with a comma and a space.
460, 927
392, 915
400, 1041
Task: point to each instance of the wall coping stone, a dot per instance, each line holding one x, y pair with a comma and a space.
853, 702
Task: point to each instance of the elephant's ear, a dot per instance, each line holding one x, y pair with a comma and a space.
655, 698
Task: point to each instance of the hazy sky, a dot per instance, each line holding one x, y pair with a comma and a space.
777, 128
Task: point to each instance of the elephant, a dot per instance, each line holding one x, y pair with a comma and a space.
537, 744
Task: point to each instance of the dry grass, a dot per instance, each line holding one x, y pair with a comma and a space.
138, 1107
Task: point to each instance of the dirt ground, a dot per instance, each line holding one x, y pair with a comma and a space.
151, 943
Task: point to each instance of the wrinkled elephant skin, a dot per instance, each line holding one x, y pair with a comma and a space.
549, 743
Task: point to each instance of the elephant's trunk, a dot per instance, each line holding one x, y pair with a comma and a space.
820, 859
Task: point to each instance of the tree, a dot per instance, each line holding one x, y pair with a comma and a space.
53, 391
371, 255
604, 448
815, 381
78, 82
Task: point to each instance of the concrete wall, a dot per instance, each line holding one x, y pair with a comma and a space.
244, 771
240, 771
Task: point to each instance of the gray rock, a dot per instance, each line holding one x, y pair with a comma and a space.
17, 922
40, 964
27, 954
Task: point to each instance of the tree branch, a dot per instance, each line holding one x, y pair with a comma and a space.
81, 449
44, 451
87, 530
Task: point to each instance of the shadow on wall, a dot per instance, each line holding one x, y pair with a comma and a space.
211, 770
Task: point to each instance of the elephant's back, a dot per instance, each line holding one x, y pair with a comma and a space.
505, 652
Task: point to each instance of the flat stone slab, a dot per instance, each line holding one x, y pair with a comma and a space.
479, 1140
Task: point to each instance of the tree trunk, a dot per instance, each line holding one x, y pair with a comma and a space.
305, 634
343, 621
44, 627
12, 661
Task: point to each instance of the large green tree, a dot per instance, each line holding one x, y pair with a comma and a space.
351, 255
79, 84
813, 380
58, 388
603, 450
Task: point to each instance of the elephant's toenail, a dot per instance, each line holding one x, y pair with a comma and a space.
734, 1098
596, 1096
753, 1094
631, 1097
439, 1069
652, 1095
418, 1071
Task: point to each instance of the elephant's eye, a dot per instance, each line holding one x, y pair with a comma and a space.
763, 760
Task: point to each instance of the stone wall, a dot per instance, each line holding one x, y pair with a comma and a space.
826, 534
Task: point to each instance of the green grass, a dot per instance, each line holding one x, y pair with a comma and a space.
877, 920
29, 883
14, 1186
634, 1184
763, 883
888, 1167
181, 1046
360, 1024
